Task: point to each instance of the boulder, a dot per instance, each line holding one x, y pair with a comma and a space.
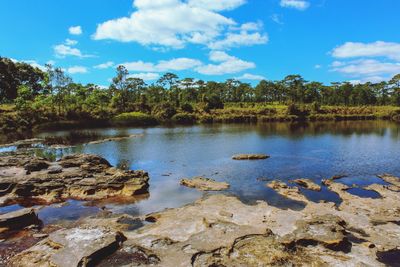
204, 184
82, 246
19, 219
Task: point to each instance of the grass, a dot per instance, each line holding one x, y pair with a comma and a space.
134, 119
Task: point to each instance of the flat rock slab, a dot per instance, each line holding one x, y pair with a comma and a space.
80, 176
290, 192
19, 219
82, 246
250, 157
307, 184
204, 184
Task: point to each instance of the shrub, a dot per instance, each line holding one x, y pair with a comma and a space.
184, 118
134, 119
315, 107
186, 107
164, 111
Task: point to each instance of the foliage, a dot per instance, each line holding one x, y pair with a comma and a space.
134, 119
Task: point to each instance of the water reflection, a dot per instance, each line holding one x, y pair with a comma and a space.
316, 151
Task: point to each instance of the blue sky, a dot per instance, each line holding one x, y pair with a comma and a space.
324, 40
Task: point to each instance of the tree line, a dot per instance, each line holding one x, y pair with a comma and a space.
52, 90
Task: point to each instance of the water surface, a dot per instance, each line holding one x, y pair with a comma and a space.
316, 151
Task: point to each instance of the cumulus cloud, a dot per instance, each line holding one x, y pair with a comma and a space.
251, 77
219, 5
175, 23
75, 30
77, 69
67, 49
370, 67
246, 35
105, 65
372, 62
297, 4
376, 49
146, 76
176, 64
226, 64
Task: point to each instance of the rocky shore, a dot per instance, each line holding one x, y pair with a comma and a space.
217, 230
25, 178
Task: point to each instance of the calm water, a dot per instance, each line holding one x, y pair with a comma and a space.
314, 150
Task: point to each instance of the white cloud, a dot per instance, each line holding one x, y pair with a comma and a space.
297, 4
227, 64
77, 69
318, 66
219, 5
376, 49
176, 64
75, 30
63, 50
105, 65
367, 67
372, 79
71, 42
251, 77
148, 76
175, 23
244, 38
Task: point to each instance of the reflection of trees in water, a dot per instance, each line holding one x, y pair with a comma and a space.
342, 128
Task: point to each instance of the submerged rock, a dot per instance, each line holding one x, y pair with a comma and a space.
307, 184
81, 176
250, 156
204, 184
19, 219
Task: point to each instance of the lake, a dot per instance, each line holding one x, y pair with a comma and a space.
358, 149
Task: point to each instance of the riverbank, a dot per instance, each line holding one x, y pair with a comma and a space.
15, 126
216, 230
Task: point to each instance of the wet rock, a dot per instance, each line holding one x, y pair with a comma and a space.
390, 179
115, 139
250, 156
287, 191
338, 176
307, 184
204, 184
130, 256
71, 247
83, 177
19, 219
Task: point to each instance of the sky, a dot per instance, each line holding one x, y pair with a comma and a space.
250, 40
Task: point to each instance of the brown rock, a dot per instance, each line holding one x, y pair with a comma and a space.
204, 184
19, 219
250, 156
308, 184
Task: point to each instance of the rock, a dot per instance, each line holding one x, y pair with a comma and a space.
36, 164
390, 179
82, 177
308, 184
40, 235
338, 176
250, 156
115, 139
19, 219
328, 230
71, 247
287, 191
204, 184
